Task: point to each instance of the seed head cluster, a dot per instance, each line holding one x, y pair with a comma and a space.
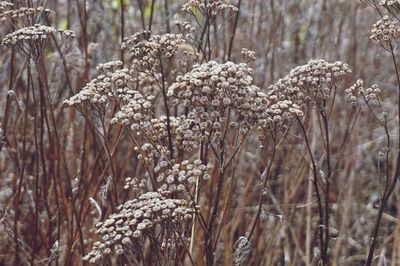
386, 33
31, 41
181, 177
5, 7
215, 90
248, 54
113, 84
149, 52
212, 7
153, 133
358, 95
309, 84
26, 16
150, 215
390, 3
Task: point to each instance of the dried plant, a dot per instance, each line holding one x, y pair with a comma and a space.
174, 132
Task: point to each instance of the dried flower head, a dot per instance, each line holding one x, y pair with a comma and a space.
23, 16
386, 33
277, 116
186, 28
135, 185
31, 41
152, 134
214, 91
180, 177
150, 53
358, 95
4, 7
248, 54
151, 215
309, 84
393, 6
114, 84
212, 7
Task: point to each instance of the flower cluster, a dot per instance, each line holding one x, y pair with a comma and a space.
385, 32
31, 41
26, 16
309, 84
5, 7
216, 91
136, 111
181, 176
357, 94
114, 83
150, 215
248, 54
390, 4
186, 28
186, 134
212, 7
148, 53
278, 115
134, 184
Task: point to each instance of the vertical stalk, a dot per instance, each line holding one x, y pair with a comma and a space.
122, 26
390, 183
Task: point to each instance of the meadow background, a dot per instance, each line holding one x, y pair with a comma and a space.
61, 173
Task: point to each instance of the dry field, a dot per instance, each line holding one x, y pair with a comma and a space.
199, 132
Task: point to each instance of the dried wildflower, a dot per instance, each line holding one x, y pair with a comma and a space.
150, 215
358, 95
153, 133
23, 16
393, 6
134, 184
152, 53
186, 28
31, 41
278, 116
180, 177
386, 33
113, 84
248, 54
309, 84
214, 91
135, 111
4, 7
212, 7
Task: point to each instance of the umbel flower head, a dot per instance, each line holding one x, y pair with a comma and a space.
386, 33
152, 134
358, 95
5, 7
180, 177
150, 53
113, 85
31, 41
212, 7
214, 91
23, 16
151, 215
309, 84
393, 6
